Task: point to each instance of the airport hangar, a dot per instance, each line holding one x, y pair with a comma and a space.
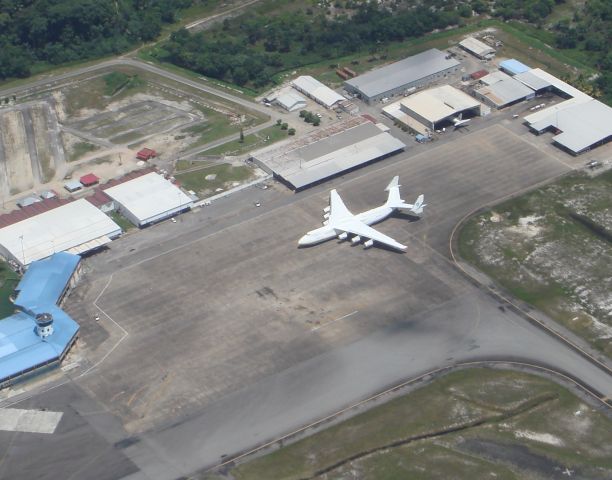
580, 123
76, 226
434, 109
326, 153
398, 77
147, 199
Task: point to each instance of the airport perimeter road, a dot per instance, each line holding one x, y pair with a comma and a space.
234, 337
47, 83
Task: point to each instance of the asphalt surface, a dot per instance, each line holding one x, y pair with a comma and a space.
218, 334
49, 83
235, 337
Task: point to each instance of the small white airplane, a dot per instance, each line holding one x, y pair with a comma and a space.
341, 223
458, 122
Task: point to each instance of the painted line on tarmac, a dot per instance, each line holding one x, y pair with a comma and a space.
123, 330
333, 321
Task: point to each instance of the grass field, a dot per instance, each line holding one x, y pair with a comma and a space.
98, 92
506, 425
215, 126
552, 248
225, 173
120, 220
80, 149
8, 281
264, 137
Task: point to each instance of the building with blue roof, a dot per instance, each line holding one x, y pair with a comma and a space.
513, 67
40, 333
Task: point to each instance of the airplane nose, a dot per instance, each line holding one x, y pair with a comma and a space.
303, 241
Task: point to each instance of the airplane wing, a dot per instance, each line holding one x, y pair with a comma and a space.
357, 227
338, 211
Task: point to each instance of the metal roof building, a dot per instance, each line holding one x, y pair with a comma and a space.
314, 89
325, 154
581, 122
533, 81
438, 105
476, 47
398, 77
513, 67
291, 101
76, 227
149, 198
502, 90
40, 333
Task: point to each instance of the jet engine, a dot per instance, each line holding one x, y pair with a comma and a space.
368, 244
325, 222
356, 239
343, 236
326, 215
326, 209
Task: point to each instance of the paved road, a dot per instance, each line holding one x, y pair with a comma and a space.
45, 84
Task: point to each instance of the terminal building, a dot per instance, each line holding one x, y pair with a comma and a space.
433, 109
400, 77
326, 153
39, 334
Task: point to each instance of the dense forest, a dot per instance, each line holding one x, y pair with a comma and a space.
251, 49
60, 31
282, 34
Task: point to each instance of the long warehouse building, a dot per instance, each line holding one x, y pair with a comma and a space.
398, 77
76, 227
340, 148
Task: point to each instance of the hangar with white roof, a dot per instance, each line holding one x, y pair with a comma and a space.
319, 92
434, 108
148, 199
580, 123
342, 147
396, 78
76, 227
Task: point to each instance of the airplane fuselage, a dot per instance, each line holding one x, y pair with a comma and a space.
326, 232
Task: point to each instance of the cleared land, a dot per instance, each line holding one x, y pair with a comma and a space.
43, 141
142, 119
552, 248
16, 153
476, 423
219, 176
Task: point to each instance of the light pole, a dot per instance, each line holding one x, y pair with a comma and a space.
22, 250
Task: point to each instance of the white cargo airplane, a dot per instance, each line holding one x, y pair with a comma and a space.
459, 122
339, 222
